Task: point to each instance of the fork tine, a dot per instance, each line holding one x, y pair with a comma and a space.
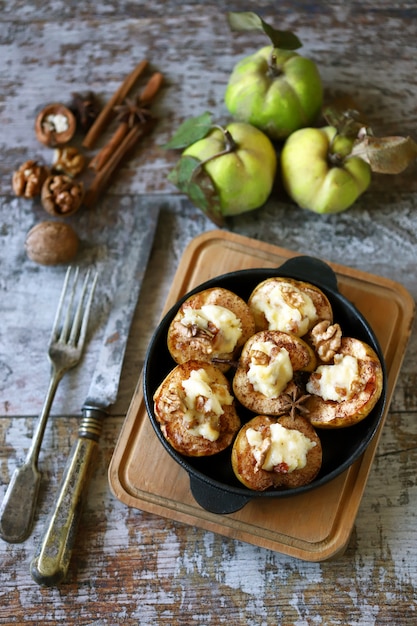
67, 319
75, 327
83, 331
56, 325
79, 327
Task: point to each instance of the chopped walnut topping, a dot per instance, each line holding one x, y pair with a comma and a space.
327, 339
28, 179
292, 296
259, 358
171, 402
198, 338
200, 404
263, 451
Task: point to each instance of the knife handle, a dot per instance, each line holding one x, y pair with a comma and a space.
50, 564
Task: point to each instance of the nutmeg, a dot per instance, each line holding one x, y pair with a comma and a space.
61, 195
51, 243
55, 125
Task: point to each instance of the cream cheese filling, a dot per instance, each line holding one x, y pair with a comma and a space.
286, 308
204, 403
285, 448
271, 378
222, 318
338, 382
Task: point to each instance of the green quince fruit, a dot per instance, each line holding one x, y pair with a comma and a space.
229, 171
319, 171
276, 90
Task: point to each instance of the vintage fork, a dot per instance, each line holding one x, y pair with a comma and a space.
64, 352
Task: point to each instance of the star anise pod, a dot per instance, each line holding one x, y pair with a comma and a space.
86, 108
132, 112
294, 402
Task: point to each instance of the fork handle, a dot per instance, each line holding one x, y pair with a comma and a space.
50, 564
17, 510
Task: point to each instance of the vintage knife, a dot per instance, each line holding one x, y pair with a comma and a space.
50, 563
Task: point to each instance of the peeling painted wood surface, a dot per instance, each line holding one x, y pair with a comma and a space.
128, 566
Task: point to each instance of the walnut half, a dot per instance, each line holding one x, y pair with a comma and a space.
327, 339
27, 181
68, 160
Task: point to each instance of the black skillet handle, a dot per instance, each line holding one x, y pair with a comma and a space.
214, 499
310, 269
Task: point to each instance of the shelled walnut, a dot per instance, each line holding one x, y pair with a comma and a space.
27, 181
68, 160
326, 339
61, 196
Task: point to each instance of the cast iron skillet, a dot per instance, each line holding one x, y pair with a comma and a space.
212, 481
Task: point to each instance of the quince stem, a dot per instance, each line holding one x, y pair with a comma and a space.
273, 69
230, 146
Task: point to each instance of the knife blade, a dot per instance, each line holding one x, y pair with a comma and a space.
51, 561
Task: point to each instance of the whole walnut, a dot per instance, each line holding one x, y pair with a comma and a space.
51, 243
27, 181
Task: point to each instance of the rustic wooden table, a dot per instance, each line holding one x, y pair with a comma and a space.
130, 566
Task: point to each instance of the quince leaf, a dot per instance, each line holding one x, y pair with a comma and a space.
190, 131
386, 155
348, 122
247, 20
193, 180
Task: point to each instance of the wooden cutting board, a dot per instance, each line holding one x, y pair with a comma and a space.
314, 526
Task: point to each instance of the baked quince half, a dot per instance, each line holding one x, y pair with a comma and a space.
266, 368
210, 325
282, 452
288, 305
345, 390
196, 410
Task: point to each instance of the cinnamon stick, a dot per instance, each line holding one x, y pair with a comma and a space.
98, 161
145, 98
151, 88
108, 111
102, 178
